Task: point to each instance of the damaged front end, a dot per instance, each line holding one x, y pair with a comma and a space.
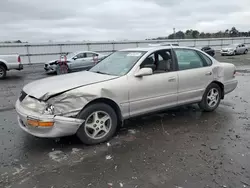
67, 104
51, 118
57, 101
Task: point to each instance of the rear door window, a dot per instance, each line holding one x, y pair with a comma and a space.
188, 59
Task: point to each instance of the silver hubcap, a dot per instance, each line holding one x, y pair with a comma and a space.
98, 125
213, 97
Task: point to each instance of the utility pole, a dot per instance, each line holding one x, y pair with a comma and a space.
174, 32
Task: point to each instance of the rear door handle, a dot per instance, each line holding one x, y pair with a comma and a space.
172, 79
208, 73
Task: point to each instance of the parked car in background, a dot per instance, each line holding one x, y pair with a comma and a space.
234, 49
128, 83
210, 51
9, 62
75, 61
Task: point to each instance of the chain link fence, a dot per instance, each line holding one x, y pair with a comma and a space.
32, 53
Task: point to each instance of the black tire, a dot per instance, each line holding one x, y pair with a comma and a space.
246, 51
2, 72
234, 53
204, 103
85, 113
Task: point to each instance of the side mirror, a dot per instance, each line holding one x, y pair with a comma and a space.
144, 72
74, 58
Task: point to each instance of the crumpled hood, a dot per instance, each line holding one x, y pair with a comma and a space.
52, 61
227, 49
44, 88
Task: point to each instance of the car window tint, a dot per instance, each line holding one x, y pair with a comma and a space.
90, 54
118, 63
164, 62
160, 58
188, 59
150, 60
160, 61
81, 55
206, 58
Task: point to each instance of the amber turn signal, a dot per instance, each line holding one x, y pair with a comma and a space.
37, 123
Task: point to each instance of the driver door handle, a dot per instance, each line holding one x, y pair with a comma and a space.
208, 73
172, 79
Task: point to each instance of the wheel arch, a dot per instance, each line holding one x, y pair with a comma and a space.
221, 85
109, 102
4, 65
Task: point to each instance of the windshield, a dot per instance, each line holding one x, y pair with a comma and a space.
70, 55
119, 63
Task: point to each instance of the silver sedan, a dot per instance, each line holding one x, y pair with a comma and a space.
128, 83
76, 61
234, 49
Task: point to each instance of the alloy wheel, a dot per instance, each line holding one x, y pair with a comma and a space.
213, 97
98, 125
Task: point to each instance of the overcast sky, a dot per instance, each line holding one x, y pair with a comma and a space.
78, 20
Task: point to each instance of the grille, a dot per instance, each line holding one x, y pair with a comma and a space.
22, 96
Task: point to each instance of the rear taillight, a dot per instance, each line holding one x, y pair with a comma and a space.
19, 59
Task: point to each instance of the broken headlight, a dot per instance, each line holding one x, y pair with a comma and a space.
34, 104
49, 110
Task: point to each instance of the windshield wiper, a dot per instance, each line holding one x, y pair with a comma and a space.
99, 72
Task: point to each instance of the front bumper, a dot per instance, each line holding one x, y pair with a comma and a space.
50, 68
230, 86
63, 126
227, 53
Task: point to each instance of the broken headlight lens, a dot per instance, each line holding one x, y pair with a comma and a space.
33, 104
49, 110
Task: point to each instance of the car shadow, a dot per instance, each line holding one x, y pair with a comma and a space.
12, 78
185, 117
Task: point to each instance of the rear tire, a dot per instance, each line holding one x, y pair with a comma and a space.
211, 98
2, 72
100, 124
246, 51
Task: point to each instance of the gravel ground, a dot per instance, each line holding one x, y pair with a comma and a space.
182, 147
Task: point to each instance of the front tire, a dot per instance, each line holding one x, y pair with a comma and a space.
2, 72
246, 51
100, 124
211, 98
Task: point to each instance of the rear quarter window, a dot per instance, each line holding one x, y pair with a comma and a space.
207, 60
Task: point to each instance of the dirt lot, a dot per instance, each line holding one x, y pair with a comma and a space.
182, 147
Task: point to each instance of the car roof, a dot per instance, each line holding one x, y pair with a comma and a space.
149, 49
77, 52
